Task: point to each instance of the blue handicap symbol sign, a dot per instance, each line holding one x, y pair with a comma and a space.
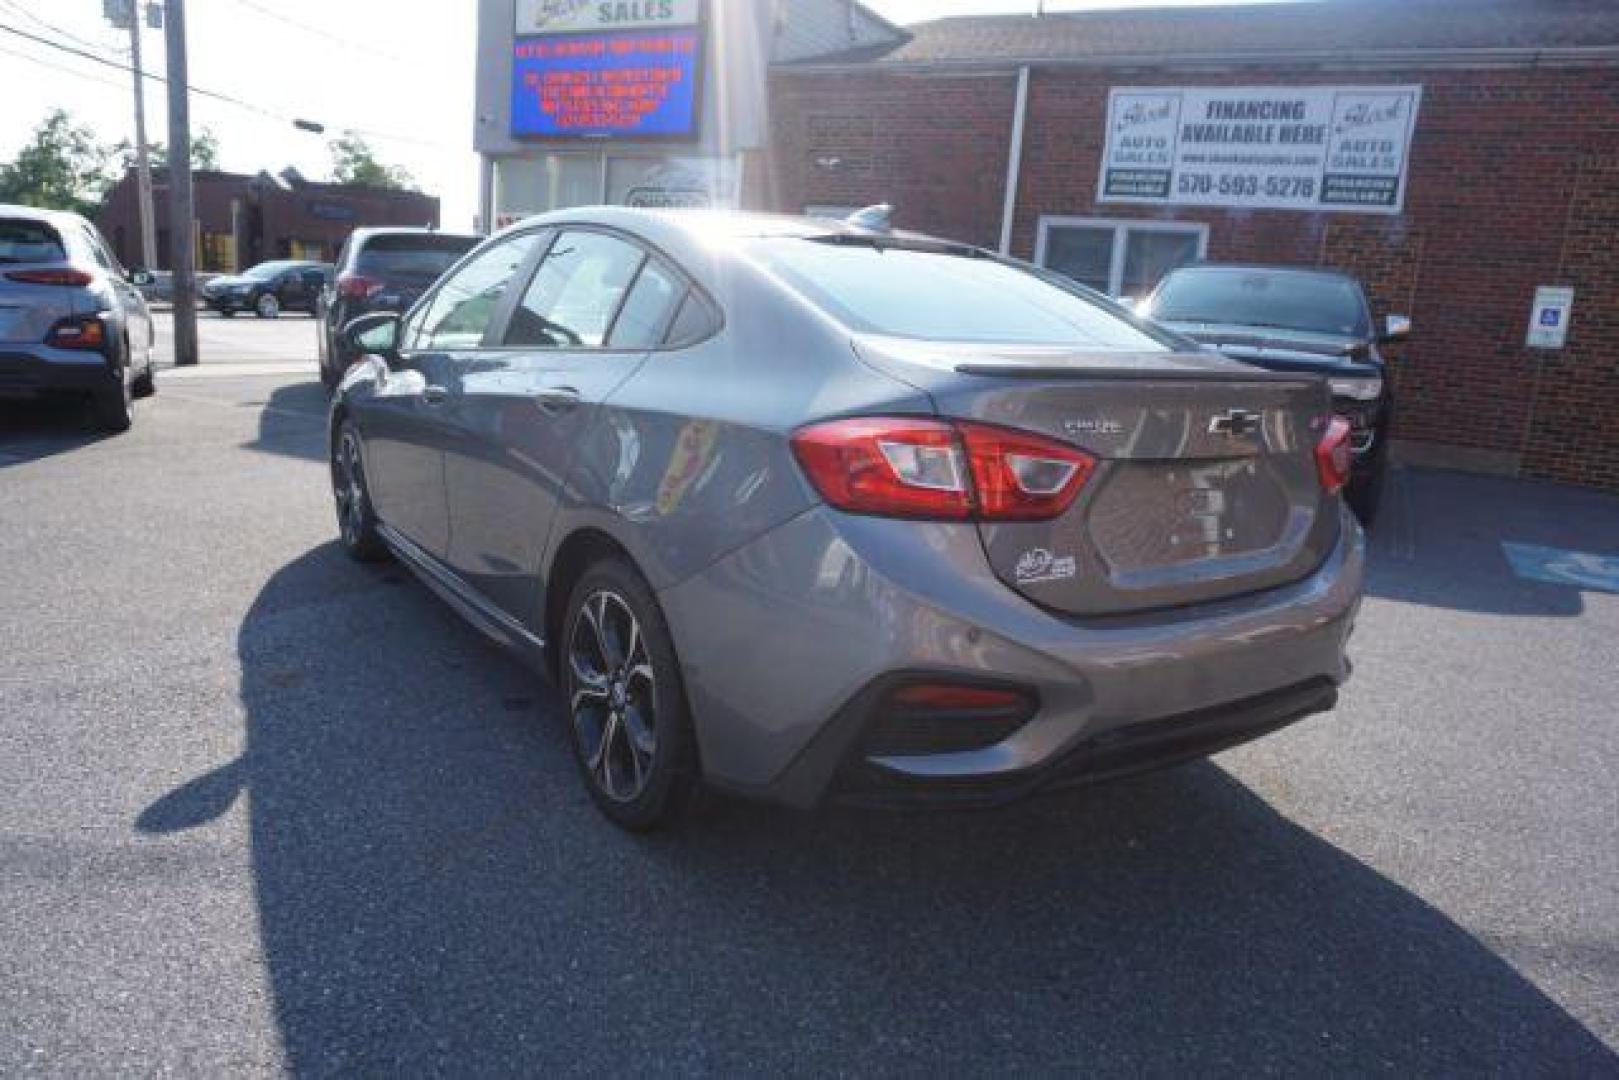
1559, 566
1550, 316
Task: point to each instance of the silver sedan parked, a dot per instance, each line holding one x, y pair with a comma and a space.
71, 319
814, 510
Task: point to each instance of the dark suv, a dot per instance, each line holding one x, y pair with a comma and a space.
269, 288
380, 270
1297, 319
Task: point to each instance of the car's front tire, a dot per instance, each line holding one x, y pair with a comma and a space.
267, 307
625, 701
356, 519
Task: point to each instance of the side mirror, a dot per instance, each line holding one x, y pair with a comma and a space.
376, 334
141, 277
1396, 328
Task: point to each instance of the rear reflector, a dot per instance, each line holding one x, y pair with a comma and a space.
1334, 455
916, 467
59, 276
953, 698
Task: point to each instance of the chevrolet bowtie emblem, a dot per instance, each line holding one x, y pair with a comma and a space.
1236, 423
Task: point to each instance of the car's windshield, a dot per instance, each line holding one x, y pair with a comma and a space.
24, 241
1267, 299
411, 259
946, 296
266, 271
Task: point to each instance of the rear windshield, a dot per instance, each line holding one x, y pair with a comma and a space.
411, 257
944, 296
1269, 299
23, 241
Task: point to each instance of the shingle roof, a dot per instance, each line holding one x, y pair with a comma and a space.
1267, 32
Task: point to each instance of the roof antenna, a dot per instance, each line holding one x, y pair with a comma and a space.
879, 218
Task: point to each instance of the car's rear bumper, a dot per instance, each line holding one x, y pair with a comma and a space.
790, 644
30, 371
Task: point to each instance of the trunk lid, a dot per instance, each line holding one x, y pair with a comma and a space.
28, 311
1206, 484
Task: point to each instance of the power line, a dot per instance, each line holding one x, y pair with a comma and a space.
200, 92
347, 43
17, 8
63, 68
102, 60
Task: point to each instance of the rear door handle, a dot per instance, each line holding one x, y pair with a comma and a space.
435, 395
557, 399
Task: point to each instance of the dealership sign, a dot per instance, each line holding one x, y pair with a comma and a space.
596, 16
1340, 148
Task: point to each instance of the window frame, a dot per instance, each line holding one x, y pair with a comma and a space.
494, 342
1120, 227
501, 314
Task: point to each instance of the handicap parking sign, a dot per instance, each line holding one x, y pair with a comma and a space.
1559, 566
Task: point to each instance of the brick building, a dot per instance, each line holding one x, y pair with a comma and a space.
243, 220
1510, 181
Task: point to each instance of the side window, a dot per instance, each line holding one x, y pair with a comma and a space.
694, 322
646, 310
576, 292
459, 314
94, 249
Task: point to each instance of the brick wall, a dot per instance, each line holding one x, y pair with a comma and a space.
1514, 183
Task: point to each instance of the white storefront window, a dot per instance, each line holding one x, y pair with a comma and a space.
1123, 258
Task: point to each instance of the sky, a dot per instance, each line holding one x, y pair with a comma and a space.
400, 71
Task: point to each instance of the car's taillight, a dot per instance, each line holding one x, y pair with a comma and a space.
57, 276
916, 467
1023, 477
357, 286
1334, 455
83, 332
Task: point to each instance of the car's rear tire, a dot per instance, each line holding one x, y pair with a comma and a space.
356, 519
114, 407
267, 307
625, 700
226, 313
145, 384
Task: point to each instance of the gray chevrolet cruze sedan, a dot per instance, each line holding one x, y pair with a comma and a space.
810, 510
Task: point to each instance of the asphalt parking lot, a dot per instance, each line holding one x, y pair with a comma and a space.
263, 809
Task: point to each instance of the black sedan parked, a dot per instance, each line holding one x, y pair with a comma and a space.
269, 288
380, 270
1297, 319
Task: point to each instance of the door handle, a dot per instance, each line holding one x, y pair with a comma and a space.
557, 399
435, 395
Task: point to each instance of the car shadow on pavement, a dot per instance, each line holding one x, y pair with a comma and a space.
437, 894
32, 430
1438, 541
292, 421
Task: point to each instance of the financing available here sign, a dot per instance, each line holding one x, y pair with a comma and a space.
1338, 148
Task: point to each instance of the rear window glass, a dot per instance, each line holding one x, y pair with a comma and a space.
1262, 298
29, 242
946, 297
426, 257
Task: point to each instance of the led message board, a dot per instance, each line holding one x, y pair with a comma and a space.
624, 85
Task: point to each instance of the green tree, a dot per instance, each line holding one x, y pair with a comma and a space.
204, 153
354, 162
64, 167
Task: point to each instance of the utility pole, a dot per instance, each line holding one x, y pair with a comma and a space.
143, 159
182, 225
